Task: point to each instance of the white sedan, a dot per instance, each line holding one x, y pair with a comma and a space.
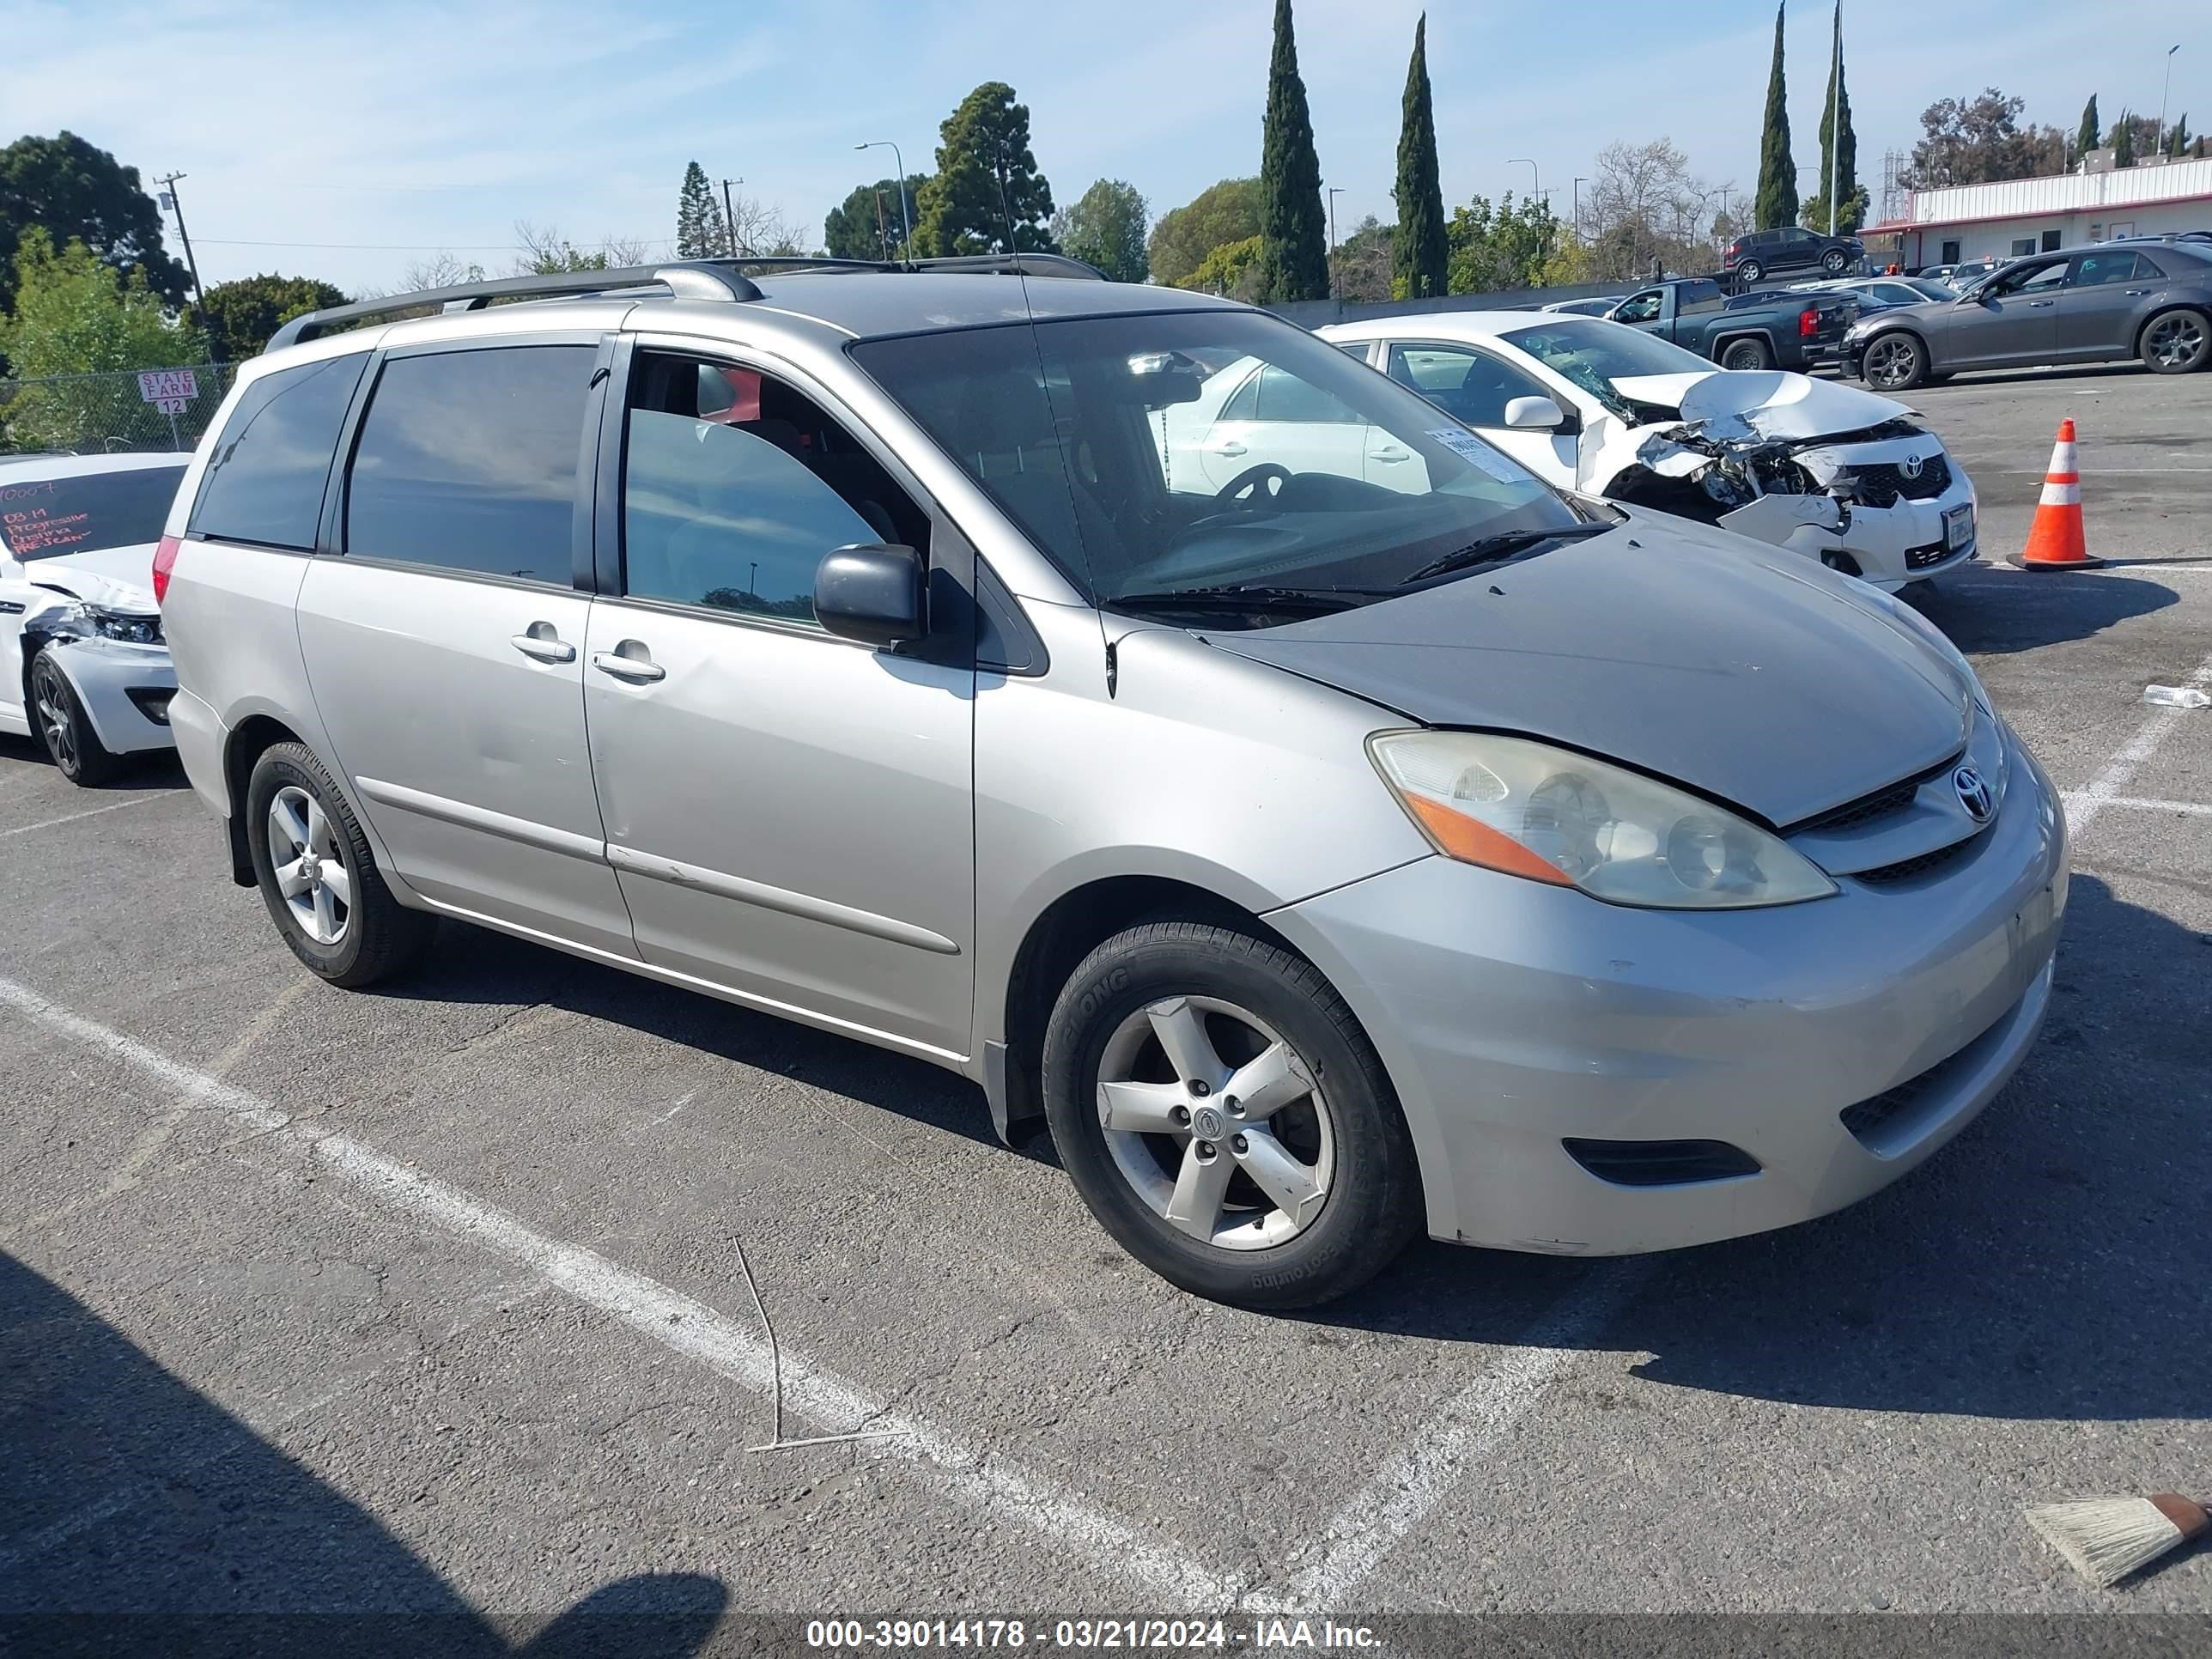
1842, 475
83, 667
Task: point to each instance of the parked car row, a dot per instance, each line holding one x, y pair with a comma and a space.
1328, 837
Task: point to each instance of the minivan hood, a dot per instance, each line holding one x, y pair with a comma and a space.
1744, 671
1764, 403
113, 578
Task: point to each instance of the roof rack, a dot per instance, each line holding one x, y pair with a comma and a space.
684, 279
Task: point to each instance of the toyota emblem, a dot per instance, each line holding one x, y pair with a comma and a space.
1973, 794
1911, 466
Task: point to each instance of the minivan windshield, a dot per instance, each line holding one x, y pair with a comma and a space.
86, 512
1207, 455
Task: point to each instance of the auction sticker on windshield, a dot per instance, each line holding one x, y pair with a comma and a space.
1468, 448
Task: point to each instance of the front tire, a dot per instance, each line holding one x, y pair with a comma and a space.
1894, 362
1218, 1108
2176, 341
319, 878
1746, 355
58, 717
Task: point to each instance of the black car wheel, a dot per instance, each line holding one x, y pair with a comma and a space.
1834, 262
1746, 353
1894, 362
62, 724
2176, 341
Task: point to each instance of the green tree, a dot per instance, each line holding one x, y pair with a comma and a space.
2177, 139
1506, 248
1226, 212
851, 230
1106, 227
1232, 268
700, 232
1365, 260
2124, 141
1978, 141
82, 194
1419, 257
987, 195
1294, 242
1840, 151
241, 316
1778, 173
73, 319
2086, 139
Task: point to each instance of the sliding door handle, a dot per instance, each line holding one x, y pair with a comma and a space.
542, 644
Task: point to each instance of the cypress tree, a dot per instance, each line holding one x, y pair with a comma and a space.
1419, 255
1839, 146
1777, 174
1294, 248
2086, 140
2124, 141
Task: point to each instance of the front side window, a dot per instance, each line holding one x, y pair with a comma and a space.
1472, 386
264, 479
735, 485
1085, 432
49, 518
1638, 308
2036, 279
467, 461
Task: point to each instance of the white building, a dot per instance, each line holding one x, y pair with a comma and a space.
2031, 216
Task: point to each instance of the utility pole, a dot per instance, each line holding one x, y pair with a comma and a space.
883, 230
729, 216
175, 203
1579, 183
1335, 290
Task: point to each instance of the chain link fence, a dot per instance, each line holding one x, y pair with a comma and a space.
100, 413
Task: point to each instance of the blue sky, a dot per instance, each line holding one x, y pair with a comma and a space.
414, 128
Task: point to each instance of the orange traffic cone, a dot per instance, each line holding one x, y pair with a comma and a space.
2054, 540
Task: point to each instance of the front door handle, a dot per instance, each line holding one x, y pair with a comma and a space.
543, 644
2040, 305
1226, 447
1392, 454
629, 661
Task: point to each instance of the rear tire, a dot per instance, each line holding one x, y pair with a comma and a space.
1746, 355
2176, 341
64, 729
1324, 1139
322, 885
1834, 262
1747, 273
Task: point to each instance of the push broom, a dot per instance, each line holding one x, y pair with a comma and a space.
2106, 1539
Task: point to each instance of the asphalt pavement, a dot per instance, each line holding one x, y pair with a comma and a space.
431, 1299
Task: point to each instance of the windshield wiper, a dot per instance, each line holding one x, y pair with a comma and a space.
1506, 544
1238, 597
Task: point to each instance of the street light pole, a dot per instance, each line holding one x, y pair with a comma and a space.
2157, 144
1538, 178
906, 215
1335, 290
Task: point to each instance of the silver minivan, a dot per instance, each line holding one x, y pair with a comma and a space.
1324, 849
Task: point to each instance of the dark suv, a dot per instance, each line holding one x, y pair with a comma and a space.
1759, 254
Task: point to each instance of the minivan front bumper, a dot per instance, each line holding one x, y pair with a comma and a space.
1835, 1045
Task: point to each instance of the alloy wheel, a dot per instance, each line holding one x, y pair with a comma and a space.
2175, 342
1890, 363
1216, 1123
57, 722
305, 856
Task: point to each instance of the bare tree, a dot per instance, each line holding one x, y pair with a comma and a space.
543, 251
441, 269
759, 230
1647, 204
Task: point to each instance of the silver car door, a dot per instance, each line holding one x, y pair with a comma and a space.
790, 814
445, 646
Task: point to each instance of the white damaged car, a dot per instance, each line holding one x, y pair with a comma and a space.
1839, 474
83, 667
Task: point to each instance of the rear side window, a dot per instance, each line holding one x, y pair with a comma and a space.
45, 518
467, 460
264, 481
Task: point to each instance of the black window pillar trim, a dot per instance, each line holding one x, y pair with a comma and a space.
599, 567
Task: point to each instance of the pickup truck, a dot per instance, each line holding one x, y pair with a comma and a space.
1743, 330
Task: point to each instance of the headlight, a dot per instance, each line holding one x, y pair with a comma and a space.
1529, 809
120, 625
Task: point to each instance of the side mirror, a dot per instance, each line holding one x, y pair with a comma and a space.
1534, 414
874, 592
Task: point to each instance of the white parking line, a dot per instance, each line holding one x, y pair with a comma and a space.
90, 812
1157, 1565
2194, 809
1439, 1454
2120, 770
